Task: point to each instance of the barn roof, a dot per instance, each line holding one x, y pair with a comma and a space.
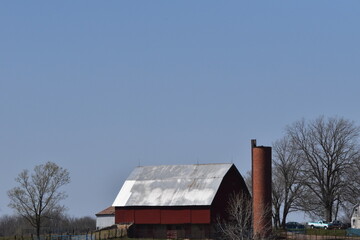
108, 211
172, 185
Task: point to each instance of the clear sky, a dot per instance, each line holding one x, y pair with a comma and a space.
100, 87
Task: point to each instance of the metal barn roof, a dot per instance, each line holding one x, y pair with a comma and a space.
172, 185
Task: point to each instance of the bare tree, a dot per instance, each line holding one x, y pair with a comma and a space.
328, 149
37, 197
277, 199
352, 192
286, 185
239, 224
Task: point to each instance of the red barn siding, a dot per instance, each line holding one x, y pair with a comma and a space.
179, 216
200, 216
147, 216
124, 215
175, 215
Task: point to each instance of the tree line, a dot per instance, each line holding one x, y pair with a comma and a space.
16, 225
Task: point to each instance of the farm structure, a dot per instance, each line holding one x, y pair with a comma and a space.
261, 189
105, 218
355, 217
177, 201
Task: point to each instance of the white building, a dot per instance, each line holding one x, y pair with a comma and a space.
355, 217
105, 218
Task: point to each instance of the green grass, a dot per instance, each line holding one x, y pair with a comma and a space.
326, 232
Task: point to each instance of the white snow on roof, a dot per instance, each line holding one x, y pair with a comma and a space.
172, 185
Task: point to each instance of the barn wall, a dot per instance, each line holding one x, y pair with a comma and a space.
200, 216
147, 216
173, 231
163, 215
104, 221
233, 183
179, 216
124, 215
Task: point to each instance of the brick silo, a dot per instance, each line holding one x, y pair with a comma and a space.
261, 190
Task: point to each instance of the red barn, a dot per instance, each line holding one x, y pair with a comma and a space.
177, 201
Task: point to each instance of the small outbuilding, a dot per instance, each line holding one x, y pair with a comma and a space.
355, 217
177, 201
105, 218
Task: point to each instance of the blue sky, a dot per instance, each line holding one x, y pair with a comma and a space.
100, 87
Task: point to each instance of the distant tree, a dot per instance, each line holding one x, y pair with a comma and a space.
16, 225
11, 225
83, 224
329, 153
38, 196
287, 187
63, 223
8, 225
